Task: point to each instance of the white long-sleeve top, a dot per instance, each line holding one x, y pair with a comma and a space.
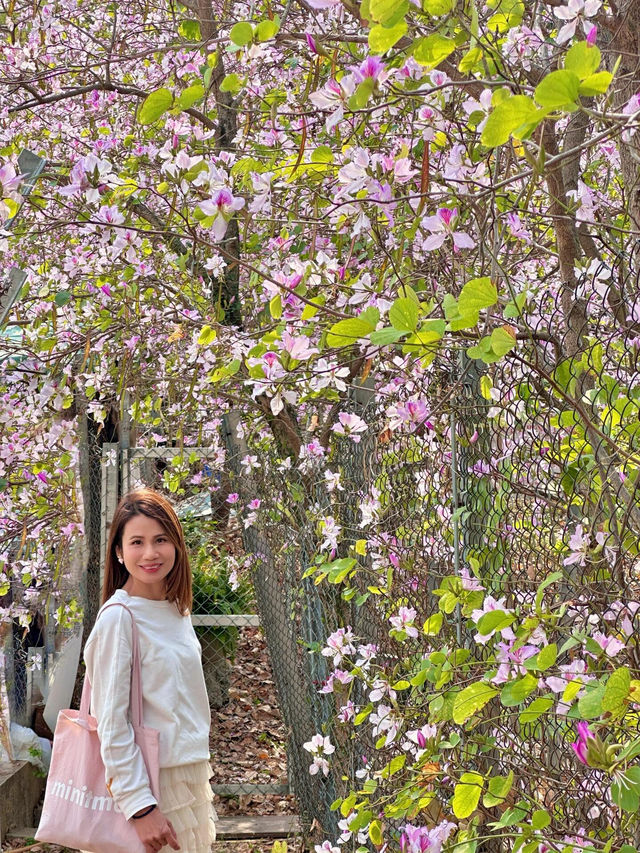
174, 694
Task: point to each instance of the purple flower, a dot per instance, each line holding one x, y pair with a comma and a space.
221, 206
581, 745
414, 839
371, 67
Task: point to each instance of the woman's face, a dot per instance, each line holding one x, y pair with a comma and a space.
148, 555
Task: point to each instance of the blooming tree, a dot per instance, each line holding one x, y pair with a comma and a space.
289, 210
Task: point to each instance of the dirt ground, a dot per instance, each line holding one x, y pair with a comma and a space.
248, 736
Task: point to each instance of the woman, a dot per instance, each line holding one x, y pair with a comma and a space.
147, 569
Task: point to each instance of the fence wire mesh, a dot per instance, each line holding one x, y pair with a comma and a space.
481, 470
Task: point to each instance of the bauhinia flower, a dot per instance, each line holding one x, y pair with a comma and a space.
441, 226
350, 425
319, 746
339, 644
403, 621
581, 746
572, 13
222, 205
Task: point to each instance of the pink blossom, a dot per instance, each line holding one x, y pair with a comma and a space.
372, 67
222, 205
441, 226
110, 215
233, 498
10, 179
404, 620
347, 712
339, 644
319, 746
298, 347
581, 746
574, 12
610, 645
351, 425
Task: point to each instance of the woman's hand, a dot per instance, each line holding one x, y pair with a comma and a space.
155, 831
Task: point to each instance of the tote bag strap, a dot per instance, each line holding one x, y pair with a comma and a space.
136, 676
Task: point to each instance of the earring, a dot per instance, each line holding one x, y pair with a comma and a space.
120, 560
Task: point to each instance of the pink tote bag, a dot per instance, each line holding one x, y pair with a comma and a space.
78, 809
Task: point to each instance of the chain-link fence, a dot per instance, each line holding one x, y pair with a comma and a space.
484, 471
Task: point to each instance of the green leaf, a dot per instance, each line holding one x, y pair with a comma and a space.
388, 12
207, 336
477, 294
363, 92
558, 89
403, 315
507, 118
471, 700
502, 340
362, 715
516, 692
231, 83
154, 105
348, 331
582, 58
275, 307
509, 15
375, 832
431, 50
547, 656
499, 787
511, 816
241, 33
433, 624
590, 705
466, 794
339, 569
548, 581
190, 30
617, 691
540, 819
190, 96
536, 709
466, 841
385, 336
268, 29
438, 7
62, 297
394, 765
382, 39
596, 84
471, 59
494, 620
322, 154
624, 795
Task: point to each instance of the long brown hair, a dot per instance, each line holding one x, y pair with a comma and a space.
155, 506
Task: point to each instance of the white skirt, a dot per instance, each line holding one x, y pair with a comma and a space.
186, 799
